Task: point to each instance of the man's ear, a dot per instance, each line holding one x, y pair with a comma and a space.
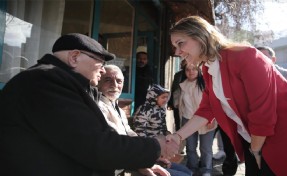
73, 58
274, 59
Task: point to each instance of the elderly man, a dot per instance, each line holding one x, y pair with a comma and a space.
50, 123
111, 86
270, 53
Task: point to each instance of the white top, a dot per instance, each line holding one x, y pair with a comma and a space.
214, 71
116, 120
189, 100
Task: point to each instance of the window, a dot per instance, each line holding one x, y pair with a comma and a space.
31, 28
116, 33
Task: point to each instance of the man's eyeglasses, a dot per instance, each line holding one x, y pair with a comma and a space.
95, 58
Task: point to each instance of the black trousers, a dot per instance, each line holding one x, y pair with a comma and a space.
251, 167
230, 163
176, 118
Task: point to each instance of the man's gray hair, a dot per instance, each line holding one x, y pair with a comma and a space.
112, 67
267, 48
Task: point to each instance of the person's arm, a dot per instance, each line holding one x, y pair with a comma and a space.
64, 117
257, 143
256, 146
202, 116
125, 122
193, 125
261, 95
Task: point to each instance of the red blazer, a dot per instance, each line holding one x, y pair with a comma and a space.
257, 93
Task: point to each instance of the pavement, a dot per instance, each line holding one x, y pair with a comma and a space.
217, 164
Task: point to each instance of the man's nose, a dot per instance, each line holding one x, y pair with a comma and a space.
102, 70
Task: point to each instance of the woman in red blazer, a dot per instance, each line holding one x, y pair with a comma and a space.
244, 93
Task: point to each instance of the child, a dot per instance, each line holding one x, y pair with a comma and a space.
149, 120
190, 97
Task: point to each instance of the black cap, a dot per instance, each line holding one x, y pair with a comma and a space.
81, 42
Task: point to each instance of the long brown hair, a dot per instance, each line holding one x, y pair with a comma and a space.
197, 28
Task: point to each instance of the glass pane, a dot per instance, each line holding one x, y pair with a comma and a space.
33, 26
116, 28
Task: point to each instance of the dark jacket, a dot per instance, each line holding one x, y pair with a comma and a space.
178, 78
143, 82
50, 125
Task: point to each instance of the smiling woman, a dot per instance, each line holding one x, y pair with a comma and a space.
232, 94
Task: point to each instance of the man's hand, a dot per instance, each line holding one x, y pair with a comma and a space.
173, 137
155, 170
168, 147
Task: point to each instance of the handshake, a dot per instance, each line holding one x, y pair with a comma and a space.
169, 144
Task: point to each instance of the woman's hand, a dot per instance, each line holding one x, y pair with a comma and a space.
256, 146
257, 156
211, 125
258, 160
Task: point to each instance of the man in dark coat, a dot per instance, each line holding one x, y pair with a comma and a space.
51, 125
143, 76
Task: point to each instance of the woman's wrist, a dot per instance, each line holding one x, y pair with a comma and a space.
179, 136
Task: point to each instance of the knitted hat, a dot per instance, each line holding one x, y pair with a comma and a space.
81, 42
141, 49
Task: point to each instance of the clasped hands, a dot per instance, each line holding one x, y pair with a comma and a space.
169, 145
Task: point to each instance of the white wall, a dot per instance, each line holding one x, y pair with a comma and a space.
280, 48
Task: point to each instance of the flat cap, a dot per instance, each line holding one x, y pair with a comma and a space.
81, 42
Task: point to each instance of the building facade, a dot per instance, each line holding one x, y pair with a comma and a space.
29, 29
280, 48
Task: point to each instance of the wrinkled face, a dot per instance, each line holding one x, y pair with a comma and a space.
191, 72
266, 53
90, 66
186, 47
141, 59
111, 84
162, 99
